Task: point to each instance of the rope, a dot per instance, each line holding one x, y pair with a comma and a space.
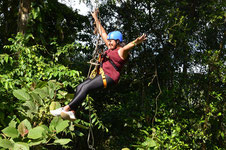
93, 61
160, 92
90, 135
90, 139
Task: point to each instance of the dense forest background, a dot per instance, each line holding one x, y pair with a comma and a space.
171, 94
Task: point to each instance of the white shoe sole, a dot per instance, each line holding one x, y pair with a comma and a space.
66, 116
53, 112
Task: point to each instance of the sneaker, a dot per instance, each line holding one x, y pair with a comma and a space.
68, 115
56, 112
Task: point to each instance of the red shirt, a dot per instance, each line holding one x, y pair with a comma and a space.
109, 68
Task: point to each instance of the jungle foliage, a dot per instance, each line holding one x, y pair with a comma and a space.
171, 94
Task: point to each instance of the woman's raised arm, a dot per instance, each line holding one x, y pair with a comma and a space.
124, 51
100, 28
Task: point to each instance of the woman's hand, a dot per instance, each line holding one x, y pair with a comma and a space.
95, 13
141, 39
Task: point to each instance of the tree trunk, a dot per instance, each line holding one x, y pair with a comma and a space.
5, 22
24, 9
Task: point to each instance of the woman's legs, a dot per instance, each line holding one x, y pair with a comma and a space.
79, 87
84, 88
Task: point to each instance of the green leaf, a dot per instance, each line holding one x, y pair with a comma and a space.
37, 98
34, 13
43, 93
29, 114
139, 146
41, 84
149, 143
31, 105
35, 133
52, 85
12, 123
21, 95
53, 123
10, 132
79, 133
51, 92
93, 120
21, 146
71, 128
38, 142
62, 141
6, 58
6, 144
24, 127
45, 132
54, 105
62, 125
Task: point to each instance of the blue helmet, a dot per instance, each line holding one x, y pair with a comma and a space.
115, 35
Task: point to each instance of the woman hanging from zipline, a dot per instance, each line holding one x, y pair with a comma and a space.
112, 63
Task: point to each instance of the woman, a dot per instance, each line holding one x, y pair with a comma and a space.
114, 60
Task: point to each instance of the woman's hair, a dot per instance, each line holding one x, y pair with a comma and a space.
122, 44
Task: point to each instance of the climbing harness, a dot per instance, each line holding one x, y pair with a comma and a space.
98, 65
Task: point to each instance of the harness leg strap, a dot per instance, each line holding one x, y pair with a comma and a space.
103, 77
104, 80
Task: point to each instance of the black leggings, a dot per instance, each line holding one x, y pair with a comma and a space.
85, 87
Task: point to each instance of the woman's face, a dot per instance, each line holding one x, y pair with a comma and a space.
112, 44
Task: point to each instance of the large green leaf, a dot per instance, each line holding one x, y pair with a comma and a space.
6, 143
12, 123
54, 105
21, 95
10, 132
51, 92
43, 93
41, 84
27, 124
62, 141
35, 133
53, 123
46, 131
52, 85
37, 98
62, 125
31, 105
24, 127
21, 146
